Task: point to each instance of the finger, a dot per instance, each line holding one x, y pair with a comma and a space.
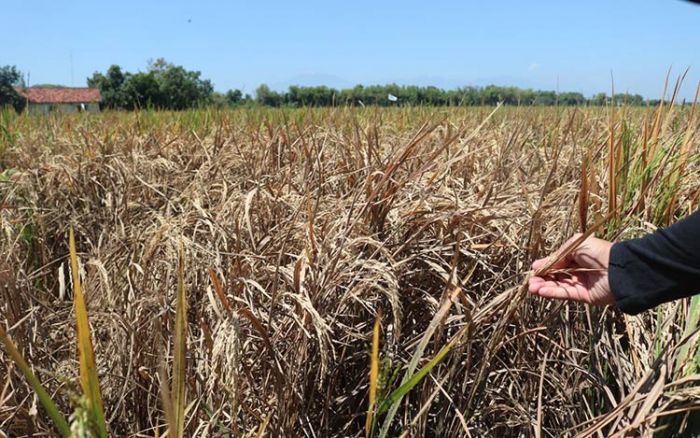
553, 293
534, 284
552, 283
561, 292
559, 264
537, 264
571, 281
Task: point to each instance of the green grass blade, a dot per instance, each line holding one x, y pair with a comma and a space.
418, 354
58, 419
658, 344
685, 351
88, 369
401, 391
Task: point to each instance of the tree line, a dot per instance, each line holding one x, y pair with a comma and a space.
392, 94
167, 86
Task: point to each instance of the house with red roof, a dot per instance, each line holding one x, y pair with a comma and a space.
43, 100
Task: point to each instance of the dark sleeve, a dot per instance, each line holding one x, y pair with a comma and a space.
660, 267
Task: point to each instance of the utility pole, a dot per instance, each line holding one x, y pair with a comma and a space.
71, 67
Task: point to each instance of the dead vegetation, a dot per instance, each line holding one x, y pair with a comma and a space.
299, 227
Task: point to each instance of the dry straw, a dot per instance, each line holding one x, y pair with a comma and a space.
301, 226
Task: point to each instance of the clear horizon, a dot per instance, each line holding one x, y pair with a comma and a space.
546, 45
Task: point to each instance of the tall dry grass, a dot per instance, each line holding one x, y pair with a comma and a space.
299, 227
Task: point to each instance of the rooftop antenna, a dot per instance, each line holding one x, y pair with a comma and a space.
71, 67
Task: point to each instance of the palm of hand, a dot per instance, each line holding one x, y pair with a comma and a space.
587, 287
582, 277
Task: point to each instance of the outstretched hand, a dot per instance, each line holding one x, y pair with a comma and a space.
582, 276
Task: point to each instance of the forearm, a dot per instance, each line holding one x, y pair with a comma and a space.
657, 268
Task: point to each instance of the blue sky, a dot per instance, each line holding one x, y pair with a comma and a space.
240, 44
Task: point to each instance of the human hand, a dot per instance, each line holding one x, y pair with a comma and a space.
582, 276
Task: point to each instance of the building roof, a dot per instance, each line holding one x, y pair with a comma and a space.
60, 95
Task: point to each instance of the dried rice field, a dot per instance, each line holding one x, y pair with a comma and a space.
297, 229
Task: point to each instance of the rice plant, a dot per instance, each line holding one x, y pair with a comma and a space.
299, 227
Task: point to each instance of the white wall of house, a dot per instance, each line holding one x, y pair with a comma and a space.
45, 108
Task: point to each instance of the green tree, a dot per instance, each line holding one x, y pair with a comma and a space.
571, 99
629, 99
491, 95
545, 98
181, 89
111, 86
143, 90
527, 97
234, 97
294, 97
11, 77
265, 96
599, 99
163, 86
